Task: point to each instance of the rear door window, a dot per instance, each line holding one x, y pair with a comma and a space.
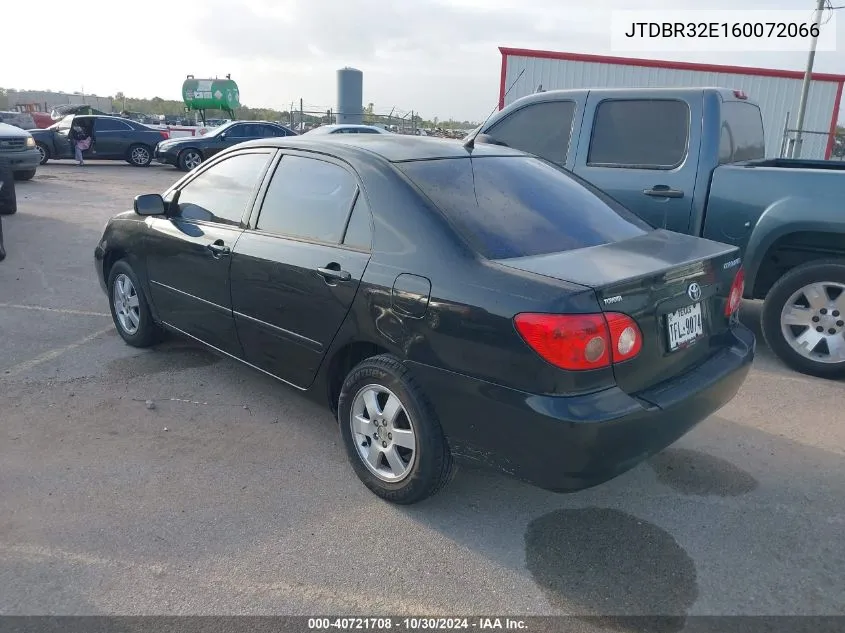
542, 129
640, 133
742, 137
517, 206
308, 198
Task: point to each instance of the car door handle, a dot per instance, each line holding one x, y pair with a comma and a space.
218, 249
662, 191
335, 273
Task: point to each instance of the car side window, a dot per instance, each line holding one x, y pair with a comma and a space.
238, 131
640, 133
542, 129
308, 198
221, 193
359, 230
110, 125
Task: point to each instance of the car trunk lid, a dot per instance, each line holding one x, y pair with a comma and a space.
674, 286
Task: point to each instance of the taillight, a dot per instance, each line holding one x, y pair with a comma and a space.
625, 335
735, 295
166, 135
580, 341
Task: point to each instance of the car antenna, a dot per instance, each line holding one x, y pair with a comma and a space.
470, 142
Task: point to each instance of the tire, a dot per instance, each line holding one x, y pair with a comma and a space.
139, 155
8, 196
27, 174
45, 153
429, 468
188, 157
827, 312
147, 332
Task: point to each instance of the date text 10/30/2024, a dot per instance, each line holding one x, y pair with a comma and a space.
415, 624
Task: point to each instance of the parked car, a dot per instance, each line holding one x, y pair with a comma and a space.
113, 138
189, 152
445, 304
23, 120
346, 128
18, 151
693, 160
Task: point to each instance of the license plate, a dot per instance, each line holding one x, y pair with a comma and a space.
684, 326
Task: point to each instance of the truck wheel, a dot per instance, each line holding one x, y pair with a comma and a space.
804, 318
45, 153
27, 174
391, 433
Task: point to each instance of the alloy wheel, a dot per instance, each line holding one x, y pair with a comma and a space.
192, 160
813, 322
140, 156
126, 307
383, 433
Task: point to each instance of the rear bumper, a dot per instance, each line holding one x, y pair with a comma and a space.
21, 161
566, 444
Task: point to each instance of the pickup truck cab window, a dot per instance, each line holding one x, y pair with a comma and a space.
742, 137
640, 133
543, 129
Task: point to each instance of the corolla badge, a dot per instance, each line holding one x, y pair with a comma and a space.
694, 291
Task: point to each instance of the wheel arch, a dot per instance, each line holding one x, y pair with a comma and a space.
341, 362
790, 248
116, 253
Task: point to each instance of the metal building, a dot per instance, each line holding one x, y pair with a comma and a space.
350, 96
778, 92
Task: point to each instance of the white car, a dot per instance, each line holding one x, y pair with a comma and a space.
347, 128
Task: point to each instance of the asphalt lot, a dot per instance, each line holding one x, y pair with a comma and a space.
233, 494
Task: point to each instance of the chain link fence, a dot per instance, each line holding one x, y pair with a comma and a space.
813, 144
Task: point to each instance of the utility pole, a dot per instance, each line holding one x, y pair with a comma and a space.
301, 115
291, 116
805, 88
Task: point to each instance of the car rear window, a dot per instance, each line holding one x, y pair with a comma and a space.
519, 206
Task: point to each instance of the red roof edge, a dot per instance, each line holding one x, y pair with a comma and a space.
659, 63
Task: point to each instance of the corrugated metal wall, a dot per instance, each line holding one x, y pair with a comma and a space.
776, 96
48, 100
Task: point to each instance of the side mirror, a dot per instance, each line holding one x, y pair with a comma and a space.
149, 204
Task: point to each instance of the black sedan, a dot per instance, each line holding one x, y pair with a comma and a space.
113, 138
188, 152
445, 303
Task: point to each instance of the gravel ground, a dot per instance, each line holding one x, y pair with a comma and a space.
233, 495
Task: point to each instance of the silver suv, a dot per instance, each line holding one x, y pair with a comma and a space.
18, 151
19, 119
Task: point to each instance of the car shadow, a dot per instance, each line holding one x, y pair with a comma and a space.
702, 512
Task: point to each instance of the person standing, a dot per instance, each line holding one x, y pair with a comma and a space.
81, 142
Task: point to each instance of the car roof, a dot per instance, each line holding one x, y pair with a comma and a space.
394, 148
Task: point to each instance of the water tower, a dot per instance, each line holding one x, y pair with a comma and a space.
350, 96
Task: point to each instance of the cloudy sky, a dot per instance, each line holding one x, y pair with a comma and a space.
438, 57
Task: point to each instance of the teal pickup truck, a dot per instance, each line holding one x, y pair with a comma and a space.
692, 160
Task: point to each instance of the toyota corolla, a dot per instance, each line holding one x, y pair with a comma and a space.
446, 302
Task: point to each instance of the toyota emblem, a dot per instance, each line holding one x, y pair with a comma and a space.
694, 291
